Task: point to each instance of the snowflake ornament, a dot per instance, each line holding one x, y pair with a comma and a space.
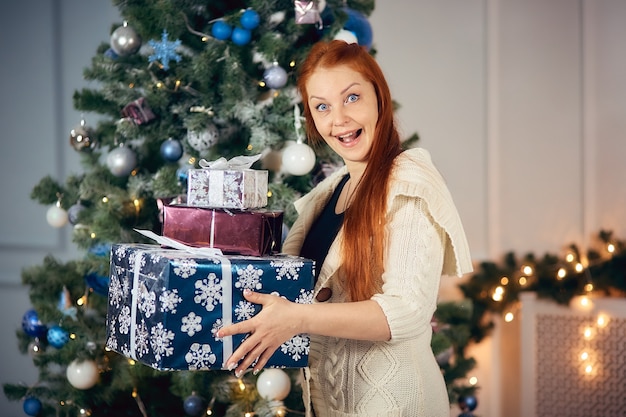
164, 51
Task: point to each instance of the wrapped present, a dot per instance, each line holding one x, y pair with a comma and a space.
166, 305
306, 12
253, 232
228, 184
138, 111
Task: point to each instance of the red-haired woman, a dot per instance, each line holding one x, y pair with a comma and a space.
382, 230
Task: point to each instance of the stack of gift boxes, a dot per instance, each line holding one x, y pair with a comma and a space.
167, 300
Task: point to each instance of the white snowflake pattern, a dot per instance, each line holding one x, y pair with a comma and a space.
296, 346
112, 343
124, 320
169, 300
191, 324
288, 269
185, 268
142, 337
120, 252
232, 189
200, 356
208, 292
244, 310
216, 326
147, 301
250, 277
115, 289
305, 297
161, 341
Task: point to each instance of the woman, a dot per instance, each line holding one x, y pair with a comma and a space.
382, 230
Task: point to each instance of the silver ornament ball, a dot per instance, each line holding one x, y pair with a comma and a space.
275, 77
125, 41
121, 161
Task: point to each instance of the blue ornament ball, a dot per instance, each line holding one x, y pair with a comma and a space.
32, 406
221, 30
73, 213
98, 283
171, 150
194, 405
250, 19
241, 36
31, 324
57, 336
358, 24
468, 402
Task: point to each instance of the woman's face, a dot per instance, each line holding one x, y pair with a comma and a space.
344, 107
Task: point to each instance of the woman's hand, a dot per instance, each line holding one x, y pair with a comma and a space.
271, 327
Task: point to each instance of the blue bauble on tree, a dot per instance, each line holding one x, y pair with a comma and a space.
194, 405
32, 406
221, 30
57, 336
171, 150
467, 403
358, 24
31, 324
241, 36
250, 19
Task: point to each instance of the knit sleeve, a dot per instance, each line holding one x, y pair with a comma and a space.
413, 265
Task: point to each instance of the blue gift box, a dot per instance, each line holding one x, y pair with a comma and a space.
166, 305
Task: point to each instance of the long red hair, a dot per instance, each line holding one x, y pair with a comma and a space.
364, 221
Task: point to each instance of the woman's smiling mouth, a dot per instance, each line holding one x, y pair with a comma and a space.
349, 137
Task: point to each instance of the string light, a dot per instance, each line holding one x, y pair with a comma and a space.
509, 317
504, 280
105, 199
473, 380
527, 270
562, 273
498, 294
522, 281
610, 248
579, 267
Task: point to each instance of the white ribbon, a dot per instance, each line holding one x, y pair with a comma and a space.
237, 162
166, 241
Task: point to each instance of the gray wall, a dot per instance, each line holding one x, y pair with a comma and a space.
521, 103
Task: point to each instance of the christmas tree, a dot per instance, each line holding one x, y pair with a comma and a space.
180, 81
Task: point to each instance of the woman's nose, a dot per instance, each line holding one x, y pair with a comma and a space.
339, 117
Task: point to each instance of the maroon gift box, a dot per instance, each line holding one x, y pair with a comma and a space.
245, 232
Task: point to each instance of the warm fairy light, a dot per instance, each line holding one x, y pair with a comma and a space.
561, 273
588, 333
73, 336
269, 194
504, 280
131, 362
92, 235
82, 300
105, 199
579, 267
292, 64
134, 394
84, 412
584, 356
131, 85
136, 203
473, 380
527, 270
261, 83
107, 349
249, 414
159, 85
209, 412
177, 83
602, 321
61, 403
242, 386
610, 248
589, 287
508, 317
522, 281
497, 294
570, 257
249, 147
588, 369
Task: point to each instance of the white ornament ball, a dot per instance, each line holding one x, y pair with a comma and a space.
56, 216
82, 374
121, 161
298, 159
273, 384
203, 140
347, 36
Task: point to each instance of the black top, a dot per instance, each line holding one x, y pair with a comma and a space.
324, 230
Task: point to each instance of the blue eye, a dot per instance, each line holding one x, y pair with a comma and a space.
321, 107
352, 98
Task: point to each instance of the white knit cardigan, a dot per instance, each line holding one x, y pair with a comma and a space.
400, 377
